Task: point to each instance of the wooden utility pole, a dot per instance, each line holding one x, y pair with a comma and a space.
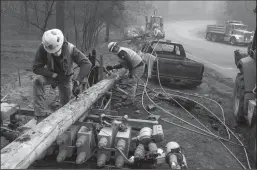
60, 15
29, 146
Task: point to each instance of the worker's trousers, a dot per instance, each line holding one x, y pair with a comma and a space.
39, 93
133, 82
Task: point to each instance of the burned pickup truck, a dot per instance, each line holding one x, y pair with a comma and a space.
173, 65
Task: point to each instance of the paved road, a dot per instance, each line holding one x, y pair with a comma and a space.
219, 56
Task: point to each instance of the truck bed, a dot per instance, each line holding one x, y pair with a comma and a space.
220, 29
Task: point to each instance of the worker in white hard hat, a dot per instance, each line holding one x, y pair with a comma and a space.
58, 55
130, 60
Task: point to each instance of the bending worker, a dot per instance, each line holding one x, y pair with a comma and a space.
130, 60
58, 55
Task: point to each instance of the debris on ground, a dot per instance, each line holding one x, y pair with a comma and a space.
187, 104
137, 112
215, 127
151, 107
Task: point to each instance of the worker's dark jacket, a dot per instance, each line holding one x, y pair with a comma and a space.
62, 64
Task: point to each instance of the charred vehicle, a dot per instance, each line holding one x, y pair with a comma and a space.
174, 67
245, 92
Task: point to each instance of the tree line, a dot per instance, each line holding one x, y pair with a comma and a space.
85, 19
208, 10
243, 11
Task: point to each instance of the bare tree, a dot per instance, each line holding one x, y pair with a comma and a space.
60, 15
72, 15
89, 18
42, 11
26, 12
242, 10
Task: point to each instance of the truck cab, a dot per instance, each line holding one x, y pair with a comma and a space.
236, 32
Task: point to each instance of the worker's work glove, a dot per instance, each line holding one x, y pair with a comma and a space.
57, 79
76, 89
54, 84
108, 68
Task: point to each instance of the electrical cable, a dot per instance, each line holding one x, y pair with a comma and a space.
208, 129
90, 72
208, 111
155, 103
211, 136
178, 102
210, 133
190, 124
182, 119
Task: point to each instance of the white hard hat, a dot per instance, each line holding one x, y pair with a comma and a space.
111, 45
53, 40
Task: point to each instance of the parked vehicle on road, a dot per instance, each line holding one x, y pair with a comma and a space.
174, 66
233, 32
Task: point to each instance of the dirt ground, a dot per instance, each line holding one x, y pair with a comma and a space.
201, 152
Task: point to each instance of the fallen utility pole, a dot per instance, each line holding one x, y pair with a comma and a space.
22, 152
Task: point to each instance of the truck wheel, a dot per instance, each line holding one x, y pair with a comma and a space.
232, 41
214, 38
238, 99
209, 36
